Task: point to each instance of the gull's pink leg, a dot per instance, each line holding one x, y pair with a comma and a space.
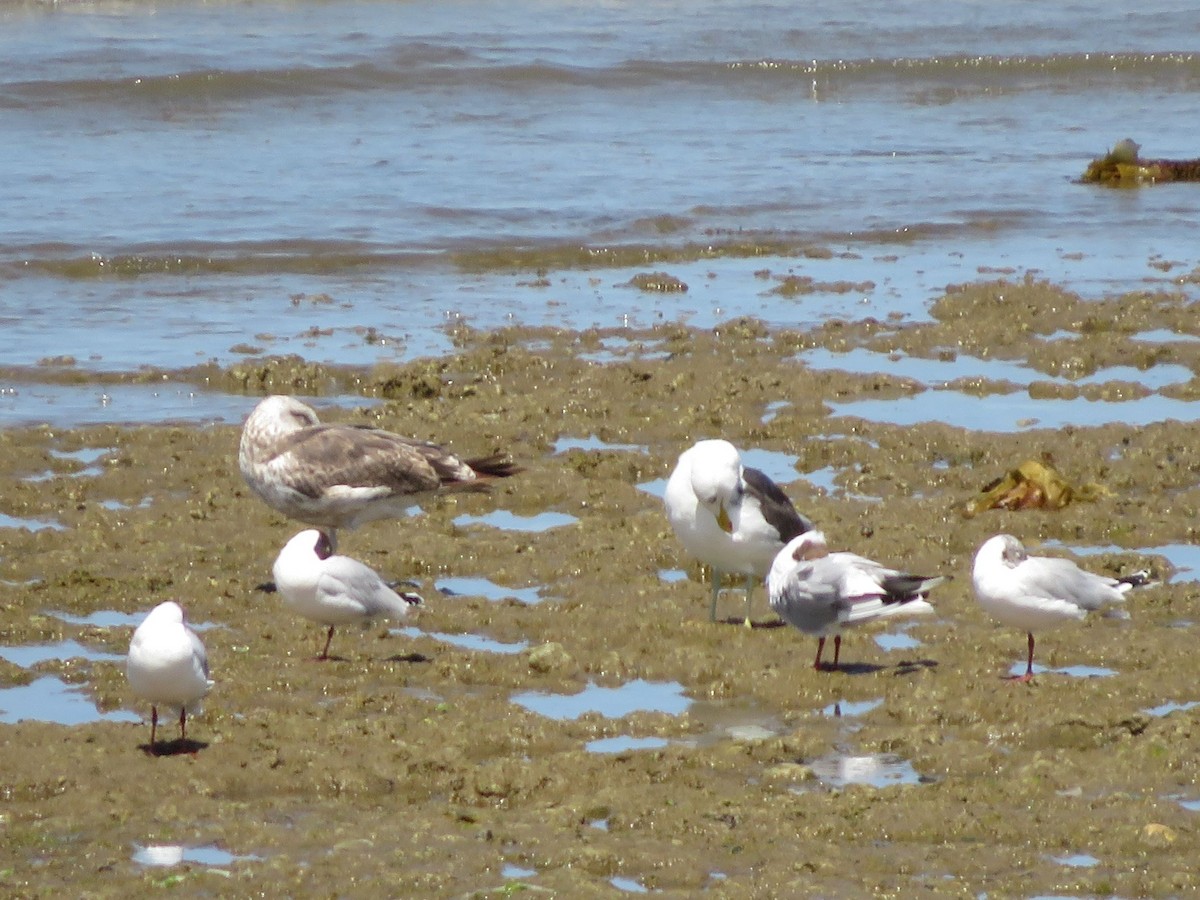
153, 723
837, 649
328, 640
820, 649
1028, 676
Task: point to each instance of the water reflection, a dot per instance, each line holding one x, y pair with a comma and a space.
851, 708
940, 372
897, 641
507, 521
1165, 709
878, 770
592, 442
72, 405
1076, 860
1009, 413
163, 855
466, 641
50, 699
778, 466
29, 655
612, 703
88, 456
655, 488
1184, 558
514, 871
1081, 671
625, 743
628, 885
467, 586
7, 521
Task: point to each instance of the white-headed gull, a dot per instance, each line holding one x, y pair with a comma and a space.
341, 476
333, 590
822, 593
1037, 592
730, 517
167, 665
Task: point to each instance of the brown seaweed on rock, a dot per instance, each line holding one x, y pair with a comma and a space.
1033, 485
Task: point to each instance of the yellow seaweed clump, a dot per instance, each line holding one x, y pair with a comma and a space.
1033, 485
1123, 167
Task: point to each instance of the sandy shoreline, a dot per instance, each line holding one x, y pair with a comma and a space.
406, 768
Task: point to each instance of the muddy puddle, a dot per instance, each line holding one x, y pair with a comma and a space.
561, 715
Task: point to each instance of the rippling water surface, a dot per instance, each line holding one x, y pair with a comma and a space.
344, 180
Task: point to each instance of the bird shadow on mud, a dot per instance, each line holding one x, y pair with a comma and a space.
409, 658
736, 620
908, 666
904, 667
177, 747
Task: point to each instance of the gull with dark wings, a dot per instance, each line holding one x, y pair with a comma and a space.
729, 516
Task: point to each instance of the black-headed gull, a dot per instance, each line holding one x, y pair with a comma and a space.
341, 476
730, 517
823, 593
1037, 592
333, 590
167, 665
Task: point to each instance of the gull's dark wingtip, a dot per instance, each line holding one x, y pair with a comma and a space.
498, 465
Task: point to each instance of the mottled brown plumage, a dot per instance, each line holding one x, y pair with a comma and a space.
340, 476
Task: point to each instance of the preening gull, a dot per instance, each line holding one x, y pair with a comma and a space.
341, 476
167, 665
732, 518
823, 593
1037, 592
333, 590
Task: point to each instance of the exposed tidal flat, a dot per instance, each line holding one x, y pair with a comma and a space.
561, 715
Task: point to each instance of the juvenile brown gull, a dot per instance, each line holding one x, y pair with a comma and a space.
341, 476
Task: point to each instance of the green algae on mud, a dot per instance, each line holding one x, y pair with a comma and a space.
403, 768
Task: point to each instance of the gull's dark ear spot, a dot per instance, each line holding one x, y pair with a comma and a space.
324, 547
798, 553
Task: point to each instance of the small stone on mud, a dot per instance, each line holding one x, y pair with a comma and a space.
1157, 835
785, 774
549, 657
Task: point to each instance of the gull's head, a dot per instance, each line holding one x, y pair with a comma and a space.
308, 544
1002, 549
807, 547
716, 475
792, 558
168, 613
280, 414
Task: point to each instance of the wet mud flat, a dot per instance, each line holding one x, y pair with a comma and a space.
561, 716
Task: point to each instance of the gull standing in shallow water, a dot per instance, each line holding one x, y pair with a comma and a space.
333, 590
1036, 592
167, 665
822, 593
732, 518
341, 476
